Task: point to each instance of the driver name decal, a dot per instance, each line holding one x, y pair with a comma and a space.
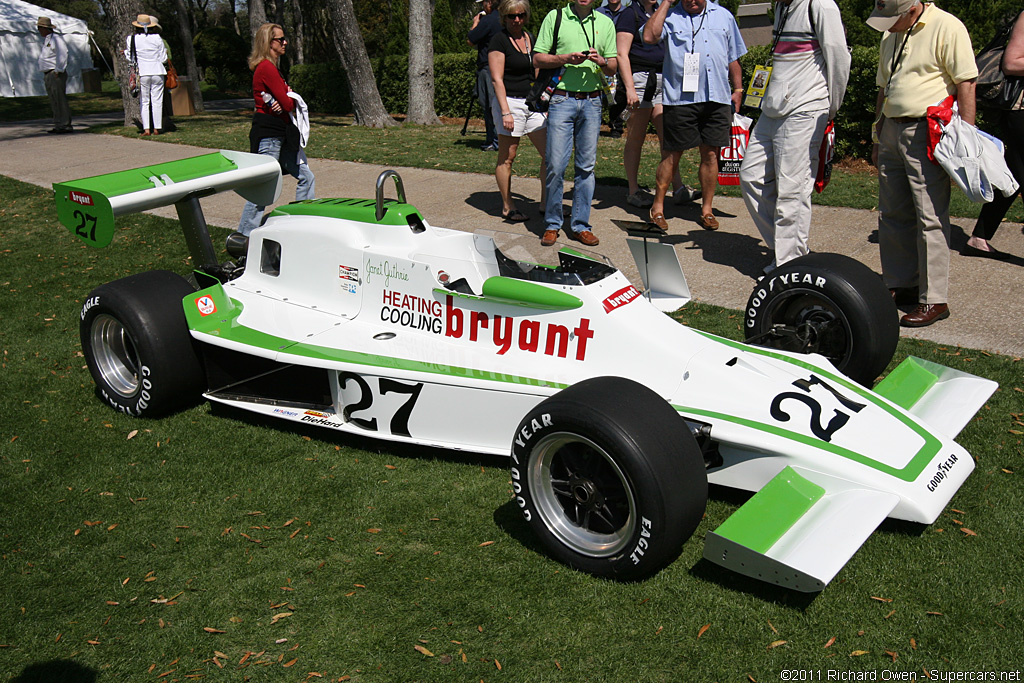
527, 335
620, 298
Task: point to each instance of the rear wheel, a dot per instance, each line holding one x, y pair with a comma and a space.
609, 477
828, 304
137, 344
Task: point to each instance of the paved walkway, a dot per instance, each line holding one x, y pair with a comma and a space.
986, 297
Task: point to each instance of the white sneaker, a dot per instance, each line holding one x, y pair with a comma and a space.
641, 198
686, 194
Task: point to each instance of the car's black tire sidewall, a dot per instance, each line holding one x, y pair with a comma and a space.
856, 290
149, 308
654, 449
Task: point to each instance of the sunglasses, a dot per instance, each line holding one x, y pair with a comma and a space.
517, 15
282, 39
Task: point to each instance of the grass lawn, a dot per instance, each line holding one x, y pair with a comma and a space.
853, 183
210, 547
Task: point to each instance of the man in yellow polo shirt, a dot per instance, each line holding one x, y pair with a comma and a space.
585, 47
925, 56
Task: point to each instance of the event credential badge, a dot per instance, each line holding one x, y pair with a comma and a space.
757, 86
691, 71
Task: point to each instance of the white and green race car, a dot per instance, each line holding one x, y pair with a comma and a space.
357, 315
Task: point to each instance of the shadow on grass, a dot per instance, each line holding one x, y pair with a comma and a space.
57, 671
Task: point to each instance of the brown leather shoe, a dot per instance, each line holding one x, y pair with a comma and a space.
588, 238
658, 219
549, 238
925, 314
709, 221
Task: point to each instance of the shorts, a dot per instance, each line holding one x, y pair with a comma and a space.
689, 125
640, 79
525, 121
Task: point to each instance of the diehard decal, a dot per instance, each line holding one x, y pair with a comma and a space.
80, 198
205, 305
620, 298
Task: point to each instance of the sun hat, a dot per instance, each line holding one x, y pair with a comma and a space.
45, 22
888, 12
143, 21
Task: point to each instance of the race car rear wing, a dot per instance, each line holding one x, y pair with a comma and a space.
87, 207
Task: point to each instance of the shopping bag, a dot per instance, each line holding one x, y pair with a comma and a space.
730, 157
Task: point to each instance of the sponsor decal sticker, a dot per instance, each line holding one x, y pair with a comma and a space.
942, 472
349, 278
80, 198
533, 336
412, 311
316, 414
322, 421
205, 305
289, 413
620, 298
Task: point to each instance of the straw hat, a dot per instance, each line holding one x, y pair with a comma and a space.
143, 21
45, 22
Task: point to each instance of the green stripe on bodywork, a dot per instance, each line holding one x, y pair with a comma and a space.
771, 512
358, 210
910, 472
224, 324
905, 385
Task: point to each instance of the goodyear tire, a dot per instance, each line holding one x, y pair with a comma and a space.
828, 304
137, 345
609, 477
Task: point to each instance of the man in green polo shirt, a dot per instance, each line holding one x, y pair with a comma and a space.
585, 49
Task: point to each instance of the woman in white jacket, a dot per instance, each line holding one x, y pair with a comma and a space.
150, 55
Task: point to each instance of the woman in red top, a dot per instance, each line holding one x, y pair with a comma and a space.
274, 130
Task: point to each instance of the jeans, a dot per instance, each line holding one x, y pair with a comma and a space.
485, 96
571, 122
252, 214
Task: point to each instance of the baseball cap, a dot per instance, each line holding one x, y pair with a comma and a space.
888, 12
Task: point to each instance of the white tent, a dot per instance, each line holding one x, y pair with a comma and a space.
20, 44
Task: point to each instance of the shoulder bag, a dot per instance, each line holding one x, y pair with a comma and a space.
171, 82
547, 79
995, 89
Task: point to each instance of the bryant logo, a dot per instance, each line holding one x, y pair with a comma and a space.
80, 198
620, 298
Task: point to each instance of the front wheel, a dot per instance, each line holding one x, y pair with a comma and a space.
828, 304
137, 344
609, 477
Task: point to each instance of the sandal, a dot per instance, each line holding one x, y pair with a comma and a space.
658, 219
514, 216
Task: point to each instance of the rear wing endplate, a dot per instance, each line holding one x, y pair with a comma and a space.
87, 207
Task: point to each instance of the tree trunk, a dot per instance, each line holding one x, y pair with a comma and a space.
257, 16
189, 53
298, 36
122, 14
352, 51
234, 17
421, 64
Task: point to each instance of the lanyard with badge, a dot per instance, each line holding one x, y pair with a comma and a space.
894, 63
763, 72
691, 60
